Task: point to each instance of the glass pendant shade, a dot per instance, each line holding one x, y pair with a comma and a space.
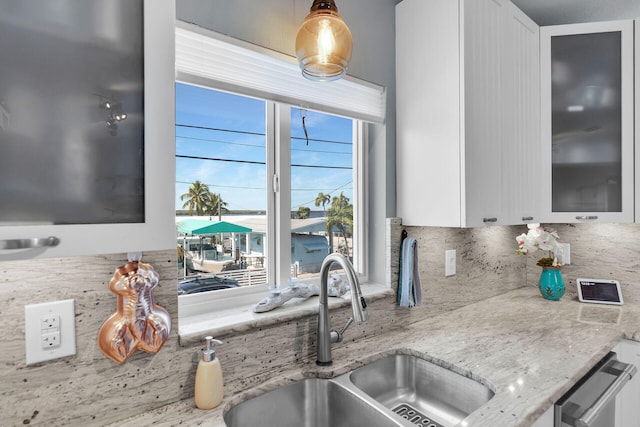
323, 43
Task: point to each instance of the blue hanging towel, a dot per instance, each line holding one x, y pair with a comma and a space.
409, 290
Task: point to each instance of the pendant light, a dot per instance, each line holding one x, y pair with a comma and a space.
323, 43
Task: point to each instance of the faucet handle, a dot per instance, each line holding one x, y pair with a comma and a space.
336, 336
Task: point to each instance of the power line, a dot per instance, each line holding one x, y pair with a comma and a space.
321, 167
238, 206
260, 146
330, 192
245, 132
298, 138
224, 186
221, 142
239, 187
251, 162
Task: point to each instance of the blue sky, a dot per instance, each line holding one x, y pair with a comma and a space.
203, 114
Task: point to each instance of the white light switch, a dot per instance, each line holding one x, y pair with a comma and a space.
50, 330
450, 262
565, 256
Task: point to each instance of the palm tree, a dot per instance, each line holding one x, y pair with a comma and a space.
304, 212
340, 215
197, 197
215, 206
323, 199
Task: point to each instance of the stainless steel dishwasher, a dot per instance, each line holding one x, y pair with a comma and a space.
591, 402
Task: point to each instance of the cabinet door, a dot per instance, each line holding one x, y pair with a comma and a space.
483, 100
587, 122
522, 119
85, 164
428, 112
546, 420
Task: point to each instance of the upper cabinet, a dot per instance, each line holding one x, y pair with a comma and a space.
587, 101
457, 84
521, 146
87, 146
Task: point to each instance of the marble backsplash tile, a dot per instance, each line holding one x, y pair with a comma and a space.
488, 265
89, 389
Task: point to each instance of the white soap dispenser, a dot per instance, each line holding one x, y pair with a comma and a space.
209, 388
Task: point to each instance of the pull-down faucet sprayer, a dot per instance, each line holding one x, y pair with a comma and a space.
326, 336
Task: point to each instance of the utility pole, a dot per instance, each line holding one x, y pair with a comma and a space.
219, 209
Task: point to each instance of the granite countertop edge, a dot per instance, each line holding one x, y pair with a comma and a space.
528, 350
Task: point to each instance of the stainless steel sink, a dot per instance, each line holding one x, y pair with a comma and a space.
419, 390
307, 403
398, 390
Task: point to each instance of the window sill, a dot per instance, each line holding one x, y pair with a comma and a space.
238, 317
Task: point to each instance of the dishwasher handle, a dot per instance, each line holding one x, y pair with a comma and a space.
610, 393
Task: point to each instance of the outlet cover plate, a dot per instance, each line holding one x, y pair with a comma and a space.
450, 262
36, 319
565, 257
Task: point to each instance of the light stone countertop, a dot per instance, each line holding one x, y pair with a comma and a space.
530, 351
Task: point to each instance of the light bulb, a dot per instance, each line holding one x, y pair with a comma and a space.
323, 43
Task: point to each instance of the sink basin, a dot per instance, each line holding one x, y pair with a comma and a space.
420, 391
398, 390
307, 403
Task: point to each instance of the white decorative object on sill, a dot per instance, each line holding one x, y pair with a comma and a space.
277, 297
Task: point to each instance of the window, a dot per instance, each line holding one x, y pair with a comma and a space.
206, 61
225, 153
322, 193
220, 175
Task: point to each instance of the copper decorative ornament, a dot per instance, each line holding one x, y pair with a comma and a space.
138, 323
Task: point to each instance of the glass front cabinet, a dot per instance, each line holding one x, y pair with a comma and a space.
87, 146
587, 117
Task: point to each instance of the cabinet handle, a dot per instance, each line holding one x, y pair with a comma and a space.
37, 242
489, 219
527, 218
586, 217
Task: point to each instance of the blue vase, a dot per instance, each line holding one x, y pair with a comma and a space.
551, 284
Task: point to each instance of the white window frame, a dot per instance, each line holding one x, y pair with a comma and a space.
197, 53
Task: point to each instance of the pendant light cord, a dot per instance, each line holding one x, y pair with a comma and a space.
303, 115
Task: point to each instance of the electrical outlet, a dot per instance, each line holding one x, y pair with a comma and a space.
450, 262
50, 340
50, 322
50, 330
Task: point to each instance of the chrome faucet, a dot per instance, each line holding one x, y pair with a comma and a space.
327, 336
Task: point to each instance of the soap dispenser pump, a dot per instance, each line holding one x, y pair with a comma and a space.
209, 388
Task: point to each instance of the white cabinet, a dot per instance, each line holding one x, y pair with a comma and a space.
521, 146
89, 123
456, 72
587, 122
627, 408
546, 419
